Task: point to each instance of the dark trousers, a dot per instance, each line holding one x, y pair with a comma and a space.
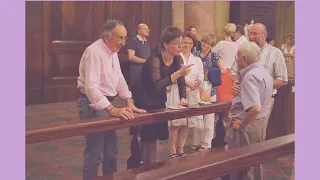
219, 139
135, 158
220, 133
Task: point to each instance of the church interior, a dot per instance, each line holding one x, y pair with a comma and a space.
58, 32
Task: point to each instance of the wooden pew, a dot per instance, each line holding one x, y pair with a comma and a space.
60, 130
210, 164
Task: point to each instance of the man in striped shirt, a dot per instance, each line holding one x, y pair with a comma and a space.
271, 58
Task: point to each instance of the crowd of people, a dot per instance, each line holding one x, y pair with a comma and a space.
182, 71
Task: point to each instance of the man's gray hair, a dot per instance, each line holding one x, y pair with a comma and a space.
250, 50
109, 26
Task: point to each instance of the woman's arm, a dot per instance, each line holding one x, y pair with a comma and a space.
180, 80
221, 66
217, 48
200, 75
160, 83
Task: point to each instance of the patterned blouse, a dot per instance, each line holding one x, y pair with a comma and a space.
210, 61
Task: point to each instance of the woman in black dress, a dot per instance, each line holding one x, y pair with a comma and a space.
162, 69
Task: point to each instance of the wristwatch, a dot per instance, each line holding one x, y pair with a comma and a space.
130, 99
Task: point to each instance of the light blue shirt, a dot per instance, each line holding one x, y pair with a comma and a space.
256, 90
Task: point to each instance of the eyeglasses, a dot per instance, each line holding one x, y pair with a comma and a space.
255, 33
183, 42
177, 44
206, 44
121, 38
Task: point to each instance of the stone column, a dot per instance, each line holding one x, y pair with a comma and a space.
222, 14
207, 16
178, 14
201, 15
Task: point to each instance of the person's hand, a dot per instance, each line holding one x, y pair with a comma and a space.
195, 85
236, 123
189, 84
131, 105
125, 113
184, 70
137, 110
236, 88
183, 102
188, 90
206, 72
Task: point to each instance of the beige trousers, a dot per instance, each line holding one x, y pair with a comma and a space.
267, 118
251, 134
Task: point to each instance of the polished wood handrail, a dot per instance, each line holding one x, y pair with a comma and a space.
209, 164
60, 130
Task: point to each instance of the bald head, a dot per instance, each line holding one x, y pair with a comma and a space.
262, 27
141, 26
258, 34
143, 30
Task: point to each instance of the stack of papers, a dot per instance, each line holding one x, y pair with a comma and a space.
177, 107
204, 103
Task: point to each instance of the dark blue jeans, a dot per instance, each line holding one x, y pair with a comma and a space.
101, 147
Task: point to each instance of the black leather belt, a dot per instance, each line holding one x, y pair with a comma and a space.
110, 98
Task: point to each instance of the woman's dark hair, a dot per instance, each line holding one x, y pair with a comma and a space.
168, 34
240, 29
190, 27
191, 36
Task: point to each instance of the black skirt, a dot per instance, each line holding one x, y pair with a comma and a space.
152, 132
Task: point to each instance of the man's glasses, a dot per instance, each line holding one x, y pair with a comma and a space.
121, 38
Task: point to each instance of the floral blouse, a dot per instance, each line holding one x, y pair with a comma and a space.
210, 61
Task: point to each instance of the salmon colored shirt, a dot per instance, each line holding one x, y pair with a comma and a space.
100, 75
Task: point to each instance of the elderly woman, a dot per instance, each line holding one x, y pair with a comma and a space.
179, 128
160, 70
202, 137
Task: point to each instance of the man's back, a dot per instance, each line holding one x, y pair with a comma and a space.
256, 90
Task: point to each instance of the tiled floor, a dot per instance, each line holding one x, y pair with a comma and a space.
62, 159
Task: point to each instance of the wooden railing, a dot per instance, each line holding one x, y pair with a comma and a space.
210, 164
200, 166
59, 130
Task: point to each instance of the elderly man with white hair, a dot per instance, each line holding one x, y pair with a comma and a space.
271, 58
250, 108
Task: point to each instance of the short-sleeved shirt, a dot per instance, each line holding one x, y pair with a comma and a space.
256, 90
242, 40
273, 60
142, 50
140, 47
